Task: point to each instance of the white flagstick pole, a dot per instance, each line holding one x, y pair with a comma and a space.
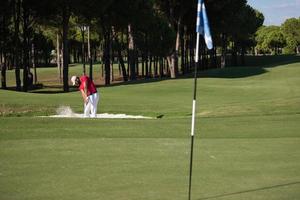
198, 27
193, 115
195, 85
201, 28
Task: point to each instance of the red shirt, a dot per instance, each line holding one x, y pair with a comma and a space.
91, 88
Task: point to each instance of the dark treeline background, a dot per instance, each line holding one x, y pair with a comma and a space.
148, 38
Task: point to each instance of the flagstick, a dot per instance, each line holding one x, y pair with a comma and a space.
193, 114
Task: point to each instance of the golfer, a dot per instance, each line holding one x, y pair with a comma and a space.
89, 94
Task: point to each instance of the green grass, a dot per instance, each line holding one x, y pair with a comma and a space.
246, 146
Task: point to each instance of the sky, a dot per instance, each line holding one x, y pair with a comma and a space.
276, 11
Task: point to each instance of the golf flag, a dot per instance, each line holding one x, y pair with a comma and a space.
202, 26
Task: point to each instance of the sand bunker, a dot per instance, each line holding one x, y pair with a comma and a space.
66, 112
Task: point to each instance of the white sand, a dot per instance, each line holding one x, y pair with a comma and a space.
66, 112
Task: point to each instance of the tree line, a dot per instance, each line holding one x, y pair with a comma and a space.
279, 39
148, 38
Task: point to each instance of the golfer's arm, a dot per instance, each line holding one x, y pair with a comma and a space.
84, 96
85, 89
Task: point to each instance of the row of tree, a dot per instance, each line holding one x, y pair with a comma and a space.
279, 39
158, 35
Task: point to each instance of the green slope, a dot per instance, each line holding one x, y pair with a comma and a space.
246, 146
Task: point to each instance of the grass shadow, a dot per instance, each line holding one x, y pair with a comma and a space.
248, 191
49, 89
271, 60
256, 65
233, 72
138, 81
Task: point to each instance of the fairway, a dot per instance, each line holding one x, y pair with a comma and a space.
247, 140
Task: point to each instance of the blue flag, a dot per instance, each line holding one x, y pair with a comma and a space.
202, 26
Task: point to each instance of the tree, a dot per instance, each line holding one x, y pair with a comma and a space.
119, 49
27, 32
42, 47
5, 39
225, 21
291, 31
158, 43
16, 6
270, 39
159, 33
275, 40
175, 10
246, 24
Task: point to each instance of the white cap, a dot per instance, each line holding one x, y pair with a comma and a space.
73, 79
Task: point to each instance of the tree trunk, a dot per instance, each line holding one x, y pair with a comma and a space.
147, 65
171, 61
74, 54
89, 54
224, 50
147, 58
150, 65
182, 49
161, 67
82, 48
3, 56
127, 57
120, 58
143, 65
234, 54
173, 58
112, 71
3, 75
17, 11
243, 55
213, 58
58, 58
137, 71
102, 46
106, 52
175, 54
66, 17
131, 54
112, 58
25, 46
155, 66
187, 51
107, 58
192, 55
33, 63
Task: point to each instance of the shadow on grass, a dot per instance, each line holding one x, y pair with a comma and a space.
248, 191
256, 65
54, 89
233, 72
271, 60
230, 72
48, 92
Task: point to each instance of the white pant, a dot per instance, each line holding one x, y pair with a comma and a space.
90, 108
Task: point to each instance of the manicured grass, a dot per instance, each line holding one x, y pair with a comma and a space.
271, 90
148, 159
246, 146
